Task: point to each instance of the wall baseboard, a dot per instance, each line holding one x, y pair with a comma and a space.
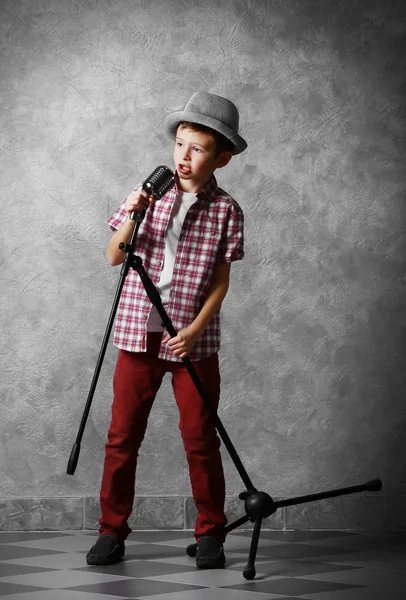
372, 512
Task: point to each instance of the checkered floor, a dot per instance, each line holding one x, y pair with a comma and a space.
318, 565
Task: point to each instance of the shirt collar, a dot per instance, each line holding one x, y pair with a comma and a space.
210, 190
208, 193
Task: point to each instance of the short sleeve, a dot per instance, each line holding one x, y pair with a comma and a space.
231, 246
118, 218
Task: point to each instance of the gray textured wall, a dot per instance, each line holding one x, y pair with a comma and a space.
313, 371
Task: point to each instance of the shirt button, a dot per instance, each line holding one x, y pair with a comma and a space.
145, 316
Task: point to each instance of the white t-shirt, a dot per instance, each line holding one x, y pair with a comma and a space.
183, 202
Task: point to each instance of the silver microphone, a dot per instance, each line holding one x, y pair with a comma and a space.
158, 183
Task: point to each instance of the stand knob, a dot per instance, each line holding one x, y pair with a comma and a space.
259, 504
124, 247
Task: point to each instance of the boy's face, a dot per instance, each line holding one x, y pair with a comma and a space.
195, 158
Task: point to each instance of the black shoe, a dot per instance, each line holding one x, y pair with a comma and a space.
106, 551
210, 554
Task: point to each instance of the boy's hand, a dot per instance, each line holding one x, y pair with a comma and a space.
182, 344
138, 200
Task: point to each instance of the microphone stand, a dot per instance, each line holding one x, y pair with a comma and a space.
258, 505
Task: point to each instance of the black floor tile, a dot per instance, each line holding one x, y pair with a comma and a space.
9, 569
291, 551
14, 588
8, 552
151, 551
299, 536
297, 568
293, 586
135, 587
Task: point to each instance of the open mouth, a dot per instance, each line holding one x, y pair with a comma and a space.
184, 169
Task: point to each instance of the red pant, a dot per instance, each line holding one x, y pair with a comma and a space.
137, 379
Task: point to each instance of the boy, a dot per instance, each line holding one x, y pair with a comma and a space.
187, 242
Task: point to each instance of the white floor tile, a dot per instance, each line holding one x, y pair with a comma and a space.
61, 579
209, 578
68, 560
74, 543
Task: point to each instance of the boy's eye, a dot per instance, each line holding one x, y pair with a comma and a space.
197, 149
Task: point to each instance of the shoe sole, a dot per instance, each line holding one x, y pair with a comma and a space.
211, 563
112, 558
103, 560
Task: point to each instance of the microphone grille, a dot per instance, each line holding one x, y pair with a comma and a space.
159, 182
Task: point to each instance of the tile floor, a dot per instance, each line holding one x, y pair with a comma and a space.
313, 565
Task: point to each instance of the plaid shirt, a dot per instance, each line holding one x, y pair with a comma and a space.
212, 233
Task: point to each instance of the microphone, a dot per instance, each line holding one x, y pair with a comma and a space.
158, 183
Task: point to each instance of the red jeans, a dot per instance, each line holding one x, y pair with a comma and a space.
137, 379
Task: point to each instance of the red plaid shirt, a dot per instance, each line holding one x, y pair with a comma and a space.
211, 233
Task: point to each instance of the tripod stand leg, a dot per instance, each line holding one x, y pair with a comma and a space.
258, 505
236, 524
249, 571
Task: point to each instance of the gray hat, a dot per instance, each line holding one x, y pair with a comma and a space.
210, 110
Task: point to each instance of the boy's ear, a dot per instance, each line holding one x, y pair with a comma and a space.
223, 159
